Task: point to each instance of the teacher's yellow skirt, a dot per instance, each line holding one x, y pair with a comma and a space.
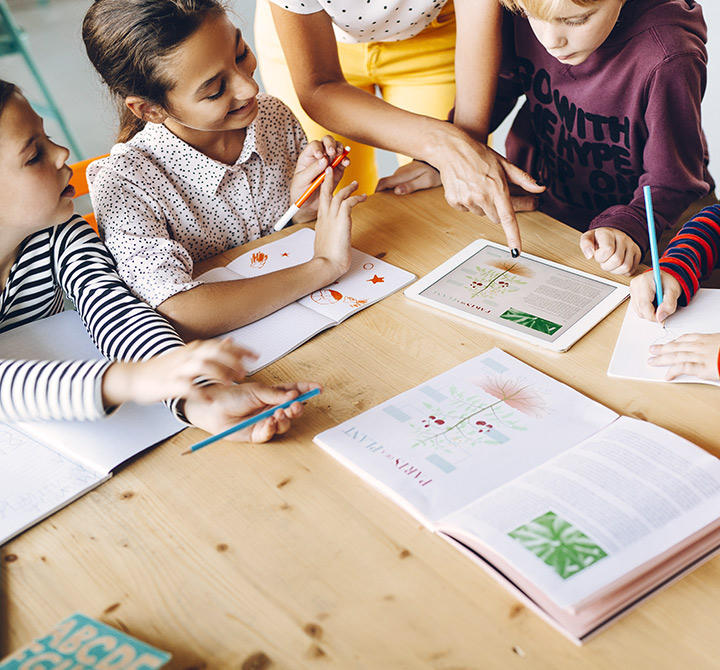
416, 74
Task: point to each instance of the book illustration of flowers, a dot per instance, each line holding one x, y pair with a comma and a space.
559, 544
329, 296
503, 277
467, 419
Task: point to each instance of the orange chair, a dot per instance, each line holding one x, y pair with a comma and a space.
79, 181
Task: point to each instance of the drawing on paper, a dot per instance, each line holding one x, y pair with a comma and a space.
559, 544
502, 277
258, 259
377, 280
466, 419
329, 296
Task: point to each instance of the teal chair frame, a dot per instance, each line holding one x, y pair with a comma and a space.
13, 40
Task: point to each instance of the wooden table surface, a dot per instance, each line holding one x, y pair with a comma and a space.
276, 556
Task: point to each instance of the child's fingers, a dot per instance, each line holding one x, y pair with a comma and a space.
331, 146
524, 203
642, 292
606, 246
588, 244
326, 189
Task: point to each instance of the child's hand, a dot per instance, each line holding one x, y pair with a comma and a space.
642, 294
614, 250
316, 156
216, 408
693, 354
334, 223
411, 177
173, 374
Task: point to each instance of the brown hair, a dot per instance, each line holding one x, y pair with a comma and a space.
543, 9
6, 90
130, 41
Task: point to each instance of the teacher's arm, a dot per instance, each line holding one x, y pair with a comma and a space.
473, 175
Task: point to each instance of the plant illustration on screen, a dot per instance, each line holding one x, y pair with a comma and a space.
468, 419
501, 277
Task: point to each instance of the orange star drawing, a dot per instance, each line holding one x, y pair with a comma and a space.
377, 280
286, 254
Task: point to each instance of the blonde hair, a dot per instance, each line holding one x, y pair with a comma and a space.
543, 9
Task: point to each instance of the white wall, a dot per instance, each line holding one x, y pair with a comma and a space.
711, 102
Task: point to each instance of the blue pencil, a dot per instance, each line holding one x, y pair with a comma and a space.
653, 244
251, 421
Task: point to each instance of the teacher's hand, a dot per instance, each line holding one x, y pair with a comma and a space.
476, 179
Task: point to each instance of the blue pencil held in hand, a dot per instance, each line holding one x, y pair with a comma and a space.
653, 244
251, 421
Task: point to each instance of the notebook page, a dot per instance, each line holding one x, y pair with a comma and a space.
100, 445
35, 481
278, 333
629, 359
367, 281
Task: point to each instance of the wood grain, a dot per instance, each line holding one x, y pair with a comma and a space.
275, 556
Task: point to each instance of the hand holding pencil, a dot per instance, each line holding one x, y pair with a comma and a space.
307, 180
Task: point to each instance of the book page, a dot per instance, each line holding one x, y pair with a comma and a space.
526, 294
629, 360
438, 446
367, 281
35, 481
598, 511
100, 445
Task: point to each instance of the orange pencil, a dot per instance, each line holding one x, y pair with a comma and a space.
293, 209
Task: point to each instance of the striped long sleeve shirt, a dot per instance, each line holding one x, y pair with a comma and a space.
694, 252
71, 259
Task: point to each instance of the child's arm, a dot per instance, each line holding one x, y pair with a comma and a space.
674, 151
690, 257
210, 309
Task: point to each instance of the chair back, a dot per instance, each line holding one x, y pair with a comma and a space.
79, 181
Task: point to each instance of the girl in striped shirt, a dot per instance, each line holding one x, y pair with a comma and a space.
45, 250
690, 257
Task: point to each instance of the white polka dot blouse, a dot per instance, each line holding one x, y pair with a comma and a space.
162, 205
371, 20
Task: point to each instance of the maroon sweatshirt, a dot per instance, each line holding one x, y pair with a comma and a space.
597, 132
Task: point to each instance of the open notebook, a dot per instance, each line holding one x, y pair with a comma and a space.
45, 465
581, 513
366, 282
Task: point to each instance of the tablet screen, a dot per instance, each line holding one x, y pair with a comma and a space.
526, 294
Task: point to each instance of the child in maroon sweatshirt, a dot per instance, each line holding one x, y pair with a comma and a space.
613, 92
613, 103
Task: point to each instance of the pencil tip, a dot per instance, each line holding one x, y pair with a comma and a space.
188, 451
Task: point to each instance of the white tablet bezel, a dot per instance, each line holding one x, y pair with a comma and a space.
564, 341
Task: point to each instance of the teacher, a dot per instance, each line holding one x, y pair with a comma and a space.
335, 53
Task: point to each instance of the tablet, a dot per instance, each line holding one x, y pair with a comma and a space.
529, 297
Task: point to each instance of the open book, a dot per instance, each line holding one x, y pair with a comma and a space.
45, 465
629, 360
367, 281
578, 511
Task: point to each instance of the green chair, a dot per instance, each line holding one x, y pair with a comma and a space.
13, 41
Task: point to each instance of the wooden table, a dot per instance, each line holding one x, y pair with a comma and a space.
276, 556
